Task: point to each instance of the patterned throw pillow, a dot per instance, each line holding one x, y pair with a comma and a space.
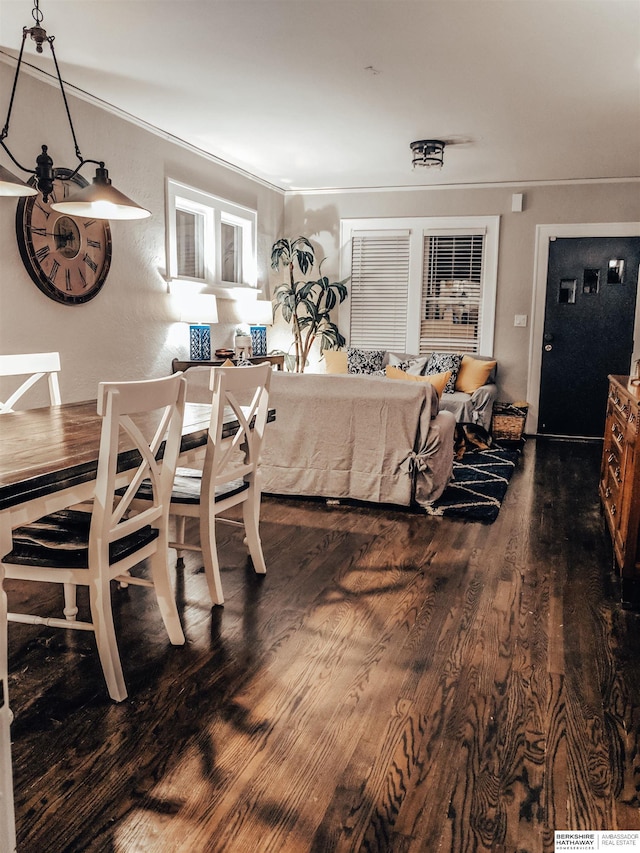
364, 360
439, 362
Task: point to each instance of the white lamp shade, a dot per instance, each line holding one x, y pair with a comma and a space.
260, 313
199, 308
101, 200
12, 186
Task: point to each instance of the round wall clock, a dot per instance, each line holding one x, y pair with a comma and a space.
68, 257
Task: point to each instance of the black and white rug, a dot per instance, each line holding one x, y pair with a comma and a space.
478, 486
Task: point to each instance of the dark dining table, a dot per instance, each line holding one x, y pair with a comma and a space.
48, 461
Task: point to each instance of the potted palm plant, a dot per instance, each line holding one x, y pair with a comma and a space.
306, 304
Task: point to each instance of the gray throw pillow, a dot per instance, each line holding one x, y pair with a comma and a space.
414, 365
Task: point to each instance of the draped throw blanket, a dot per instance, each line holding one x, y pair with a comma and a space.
366, 438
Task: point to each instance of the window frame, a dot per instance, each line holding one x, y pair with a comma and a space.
420, 227
216, 211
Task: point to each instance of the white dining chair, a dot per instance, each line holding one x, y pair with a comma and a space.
34, 366
230, 472
78, 548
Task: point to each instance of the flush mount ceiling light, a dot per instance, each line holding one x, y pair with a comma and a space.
99, 200
427, 153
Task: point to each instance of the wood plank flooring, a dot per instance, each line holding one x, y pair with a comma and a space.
395, 683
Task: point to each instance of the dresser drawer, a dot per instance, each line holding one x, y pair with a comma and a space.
622, 411
612, 496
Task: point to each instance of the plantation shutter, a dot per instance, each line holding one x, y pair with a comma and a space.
379, 289
189, 244
452, 292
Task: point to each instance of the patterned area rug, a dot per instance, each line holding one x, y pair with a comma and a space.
478, 486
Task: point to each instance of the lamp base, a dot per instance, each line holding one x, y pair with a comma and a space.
258, 340
200, 343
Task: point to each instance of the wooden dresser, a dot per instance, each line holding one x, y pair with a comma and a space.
620, 478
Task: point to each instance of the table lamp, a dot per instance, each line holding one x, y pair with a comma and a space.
260, 314
199, 310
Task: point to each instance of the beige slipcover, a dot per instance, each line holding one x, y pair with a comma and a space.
366, 437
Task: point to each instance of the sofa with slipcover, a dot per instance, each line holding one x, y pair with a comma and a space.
469, 393
358, 437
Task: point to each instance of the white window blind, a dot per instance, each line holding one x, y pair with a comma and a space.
190, 244
378, 289
451, 309
421, 284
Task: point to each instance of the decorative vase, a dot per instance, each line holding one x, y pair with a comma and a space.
243, 348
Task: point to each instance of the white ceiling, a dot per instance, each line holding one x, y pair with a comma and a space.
309, 94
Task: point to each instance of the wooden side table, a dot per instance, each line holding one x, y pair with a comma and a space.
276, 361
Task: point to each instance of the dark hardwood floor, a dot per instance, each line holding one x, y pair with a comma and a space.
396, 683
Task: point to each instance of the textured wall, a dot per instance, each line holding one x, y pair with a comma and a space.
129, 329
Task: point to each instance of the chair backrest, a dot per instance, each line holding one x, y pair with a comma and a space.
244, 393
144, 419
198, 384
35, 366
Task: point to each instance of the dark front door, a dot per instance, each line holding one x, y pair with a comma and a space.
588, 330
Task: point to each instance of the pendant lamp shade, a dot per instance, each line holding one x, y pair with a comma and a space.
98, 201
101, 200
10, 185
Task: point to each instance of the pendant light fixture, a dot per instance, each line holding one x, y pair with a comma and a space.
99, 200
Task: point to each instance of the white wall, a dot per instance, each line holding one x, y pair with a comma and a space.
317, 216
129, 329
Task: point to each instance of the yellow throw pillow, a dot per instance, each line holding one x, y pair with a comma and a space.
473, 374
438, 380
227, 363
335, 361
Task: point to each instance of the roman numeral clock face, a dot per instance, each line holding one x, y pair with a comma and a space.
68, 257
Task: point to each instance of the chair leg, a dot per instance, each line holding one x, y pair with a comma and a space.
102, 618
210, 555
251, 516
70, 607
164, 594
180, 528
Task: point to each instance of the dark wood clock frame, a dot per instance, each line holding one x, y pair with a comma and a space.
68, 257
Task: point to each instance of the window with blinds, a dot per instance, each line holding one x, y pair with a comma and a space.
421, 284
451, 306
190, 244
378, 290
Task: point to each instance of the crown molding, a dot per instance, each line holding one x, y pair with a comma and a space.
51, 80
